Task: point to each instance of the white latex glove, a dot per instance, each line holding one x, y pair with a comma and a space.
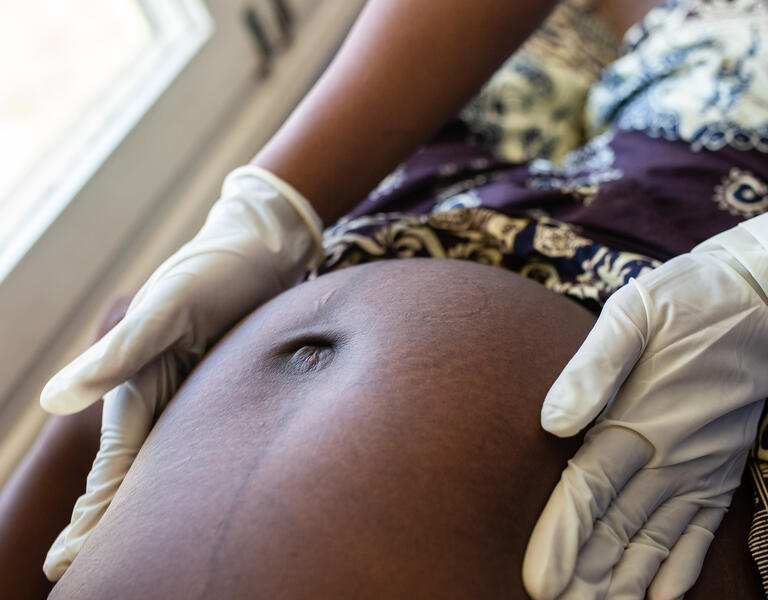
258, 238
678, 359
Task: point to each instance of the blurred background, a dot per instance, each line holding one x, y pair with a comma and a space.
118, 121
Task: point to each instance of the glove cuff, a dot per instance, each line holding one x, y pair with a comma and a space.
296, 199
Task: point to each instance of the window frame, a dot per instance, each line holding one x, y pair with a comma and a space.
62, 170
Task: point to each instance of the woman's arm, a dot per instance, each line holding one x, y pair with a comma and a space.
405, 68
37, 500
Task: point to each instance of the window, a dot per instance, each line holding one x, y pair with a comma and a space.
88, 72
100, 196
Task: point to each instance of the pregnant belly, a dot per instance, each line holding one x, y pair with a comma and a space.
370, 434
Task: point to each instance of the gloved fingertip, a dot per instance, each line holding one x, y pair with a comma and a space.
540, 579
559, 422
57, 560
550, 556
54, 570
58, 398
538, 587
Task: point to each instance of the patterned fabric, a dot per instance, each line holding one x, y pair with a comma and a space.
742, 194
757, 540
629, 199
581, 172
543, 249
533, 105
693, 70
682, 157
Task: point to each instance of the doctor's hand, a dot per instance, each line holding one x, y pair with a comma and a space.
258, 238
678, 365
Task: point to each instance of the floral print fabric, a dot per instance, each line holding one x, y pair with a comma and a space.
692, 70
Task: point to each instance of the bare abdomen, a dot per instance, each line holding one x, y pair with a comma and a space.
372, 434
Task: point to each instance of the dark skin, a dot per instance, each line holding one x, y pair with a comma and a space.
371, 434
338, 128
368, 443
36, 502
355, 121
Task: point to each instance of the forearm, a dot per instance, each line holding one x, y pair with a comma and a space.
36, 503
405, 68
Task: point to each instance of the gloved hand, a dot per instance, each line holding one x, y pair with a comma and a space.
258, 238
678, 359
